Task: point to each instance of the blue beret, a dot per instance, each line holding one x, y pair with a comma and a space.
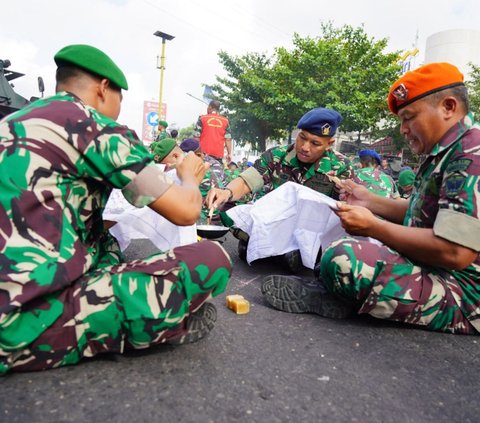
370, 153
320, 121
92, 60
189, 144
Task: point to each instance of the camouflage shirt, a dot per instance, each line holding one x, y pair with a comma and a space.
447, 198
280, 164
59, 161
376, 181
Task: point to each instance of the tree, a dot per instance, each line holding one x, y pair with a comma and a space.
343, 69
245, 93
187, 132
473, 85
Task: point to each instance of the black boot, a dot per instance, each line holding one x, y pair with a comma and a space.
294, 294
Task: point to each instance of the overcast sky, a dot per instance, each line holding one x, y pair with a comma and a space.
32, 31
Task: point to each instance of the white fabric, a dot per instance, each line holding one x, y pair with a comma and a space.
291, 217
140, 223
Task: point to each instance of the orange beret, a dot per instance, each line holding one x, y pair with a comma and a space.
419, 83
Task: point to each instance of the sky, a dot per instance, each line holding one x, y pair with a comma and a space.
33, 31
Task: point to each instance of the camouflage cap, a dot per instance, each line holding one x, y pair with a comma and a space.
92, 60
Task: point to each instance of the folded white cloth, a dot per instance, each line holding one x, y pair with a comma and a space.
291, 217
140, 223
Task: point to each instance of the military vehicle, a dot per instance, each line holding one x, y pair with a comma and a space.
10, 101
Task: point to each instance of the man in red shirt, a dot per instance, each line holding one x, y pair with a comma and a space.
213, 131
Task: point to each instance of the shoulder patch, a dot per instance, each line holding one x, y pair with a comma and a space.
454, 184
459, 165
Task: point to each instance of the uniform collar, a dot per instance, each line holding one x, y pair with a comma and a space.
453, 134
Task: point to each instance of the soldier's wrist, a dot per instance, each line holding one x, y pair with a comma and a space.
230, 193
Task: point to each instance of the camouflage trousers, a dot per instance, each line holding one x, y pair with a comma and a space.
387, 285
127, 306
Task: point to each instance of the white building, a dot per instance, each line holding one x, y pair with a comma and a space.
456, 46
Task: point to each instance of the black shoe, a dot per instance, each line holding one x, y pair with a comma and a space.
296, 295
199, 325
292, 261
242, 249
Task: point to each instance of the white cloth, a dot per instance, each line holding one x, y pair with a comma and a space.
134, 223
291, 217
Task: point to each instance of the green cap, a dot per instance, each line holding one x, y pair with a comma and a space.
406, 178
163, 123
163, 148
92, 60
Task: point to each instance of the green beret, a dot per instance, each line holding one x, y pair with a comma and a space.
406, 178
163, 123
163, 148
92, 60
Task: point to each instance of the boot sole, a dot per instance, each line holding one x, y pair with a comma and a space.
290, 294
199, 325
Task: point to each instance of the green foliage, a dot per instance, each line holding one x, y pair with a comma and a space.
343, 69
473, 86
187, 132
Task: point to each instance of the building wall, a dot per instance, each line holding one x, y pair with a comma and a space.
456, 46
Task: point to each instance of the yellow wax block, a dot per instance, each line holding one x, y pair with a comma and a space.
240, 306
231, 298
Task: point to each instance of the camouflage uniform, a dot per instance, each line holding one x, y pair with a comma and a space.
280, 164
215, 176
386, 284
376, 181
64, 291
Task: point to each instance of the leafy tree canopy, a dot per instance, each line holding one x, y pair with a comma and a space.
343, 69
473, 85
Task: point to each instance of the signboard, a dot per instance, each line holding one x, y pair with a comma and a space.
150, 120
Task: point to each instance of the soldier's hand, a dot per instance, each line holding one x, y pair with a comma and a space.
354, 193
216, 197
356, 220
191, 165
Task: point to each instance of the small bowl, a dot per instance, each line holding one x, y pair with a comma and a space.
211, 231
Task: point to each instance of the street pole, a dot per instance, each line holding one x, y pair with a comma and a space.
165, 37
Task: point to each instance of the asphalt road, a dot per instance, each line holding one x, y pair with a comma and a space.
266, 366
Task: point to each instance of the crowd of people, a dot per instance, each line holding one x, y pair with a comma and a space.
66, 291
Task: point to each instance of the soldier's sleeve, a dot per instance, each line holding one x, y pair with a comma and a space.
228, 134
458, 216
258, 175
150, 184
117, 158
345, 170
198, 127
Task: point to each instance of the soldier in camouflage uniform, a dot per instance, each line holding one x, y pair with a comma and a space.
310, 162
65, 293
215, 176
370, 176
427, 272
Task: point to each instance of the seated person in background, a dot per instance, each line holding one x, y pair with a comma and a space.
406, 180
427, 271
215, 176
310, 161
232, 172
167, 152
371, 176
65, 291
